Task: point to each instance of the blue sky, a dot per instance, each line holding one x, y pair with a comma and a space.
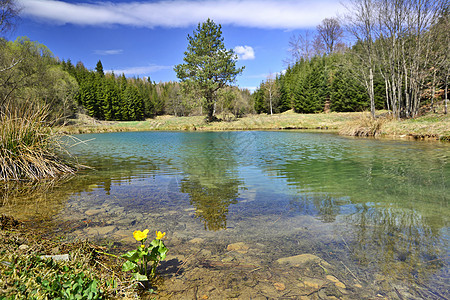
147, 38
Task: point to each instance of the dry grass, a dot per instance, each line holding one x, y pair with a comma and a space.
29, 147
434, 126
365, 126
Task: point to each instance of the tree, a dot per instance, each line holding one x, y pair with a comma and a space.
331, 33
208, 64
361, 24
300, 46
9, 12
99, 68
393, 39
271, 91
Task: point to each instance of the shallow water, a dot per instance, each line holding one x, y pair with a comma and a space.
376, 210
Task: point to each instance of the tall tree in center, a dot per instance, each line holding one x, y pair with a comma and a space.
208, 66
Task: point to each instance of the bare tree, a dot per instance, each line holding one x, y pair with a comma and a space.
270, 91
300, 46
361, 24
331, 33
405, 50
9, 12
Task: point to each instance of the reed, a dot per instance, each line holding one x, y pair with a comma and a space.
29, 148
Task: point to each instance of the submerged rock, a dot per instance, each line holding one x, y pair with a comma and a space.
279, 286
302, 259
93, 212
101, 230
196, 241
238, 247
336, 282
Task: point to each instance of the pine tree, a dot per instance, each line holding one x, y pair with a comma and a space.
99, 69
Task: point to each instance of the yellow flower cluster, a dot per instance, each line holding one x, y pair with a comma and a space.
140, 235
159, 235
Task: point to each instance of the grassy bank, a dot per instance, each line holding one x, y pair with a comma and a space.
87, 273
432, 126
30, 149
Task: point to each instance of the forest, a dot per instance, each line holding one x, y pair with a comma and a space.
399, 64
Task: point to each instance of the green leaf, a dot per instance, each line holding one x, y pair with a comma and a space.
140, 277
128, 266
131, 255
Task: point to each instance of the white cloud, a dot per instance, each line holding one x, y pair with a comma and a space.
252, 89
244, 52
288, 14
140, 70
109, 52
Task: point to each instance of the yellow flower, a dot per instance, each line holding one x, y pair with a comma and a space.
140, 235
142, 246
159, 235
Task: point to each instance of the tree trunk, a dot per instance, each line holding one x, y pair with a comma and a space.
446, 94
433, 91
371, 93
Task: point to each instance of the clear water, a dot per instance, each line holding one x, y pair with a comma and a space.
378, 210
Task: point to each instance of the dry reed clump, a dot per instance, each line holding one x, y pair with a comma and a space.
364, 126
29, 149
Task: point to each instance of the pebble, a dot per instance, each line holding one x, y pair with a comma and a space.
101, 230
336, 281
279, 286
196, 241
23, 247
93, 212
302, 259
238, 247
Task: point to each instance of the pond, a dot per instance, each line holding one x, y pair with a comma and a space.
263, 214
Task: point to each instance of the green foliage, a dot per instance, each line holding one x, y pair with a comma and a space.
259, 100
44, 278
138, 260
208, 65
347, 93
30, 73
312, 88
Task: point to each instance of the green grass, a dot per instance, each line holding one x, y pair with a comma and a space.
25, 274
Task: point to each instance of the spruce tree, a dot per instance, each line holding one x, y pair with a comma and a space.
208, 64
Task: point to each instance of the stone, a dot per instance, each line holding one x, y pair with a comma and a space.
24, 247
101, 230
61, 257
238, 247
313, 283
336, 281
93, 212
301, 260
205, 252
279, 286
196, 241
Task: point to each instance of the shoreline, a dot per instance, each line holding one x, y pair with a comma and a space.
432, 126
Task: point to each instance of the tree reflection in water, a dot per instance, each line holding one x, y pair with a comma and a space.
210, 178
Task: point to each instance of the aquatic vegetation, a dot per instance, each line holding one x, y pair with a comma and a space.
138, 260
